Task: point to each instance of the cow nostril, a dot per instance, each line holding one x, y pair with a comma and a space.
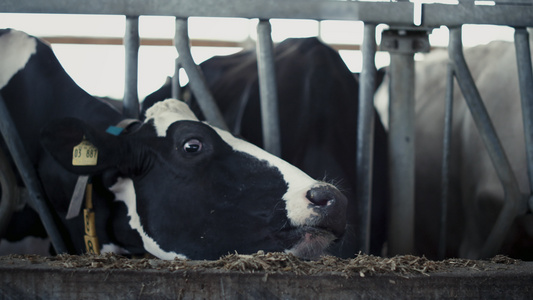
329, 206
320, 196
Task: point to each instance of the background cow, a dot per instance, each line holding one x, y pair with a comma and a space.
318, 104
476, 194
171, 186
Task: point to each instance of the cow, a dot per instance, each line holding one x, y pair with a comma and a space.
475, 195
170, 186
318, 105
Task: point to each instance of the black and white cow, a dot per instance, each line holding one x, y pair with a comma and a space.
173, 186
318, 104
476, 195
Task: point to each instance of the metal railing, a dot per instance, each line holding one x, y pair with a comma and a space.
403, 17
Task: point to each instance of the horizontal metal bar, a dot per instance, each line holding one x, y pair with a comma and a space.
100, 40
435, 15
394, 13
119, 41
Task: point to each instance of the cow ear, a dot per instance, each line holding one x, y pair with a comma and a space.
79, 148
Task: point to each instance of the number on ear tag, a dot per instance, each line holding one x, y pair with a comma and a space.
84, 154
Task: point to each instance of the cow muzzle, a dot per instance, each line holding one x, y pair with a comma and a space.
325, 224
329, 204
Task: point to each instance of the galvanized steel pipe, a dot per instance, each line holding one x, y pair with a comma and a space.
401, 153
268, 88
131, 46
29, 177
514, 200
9, 195
197, 81
365, 140
446, 161
525, 79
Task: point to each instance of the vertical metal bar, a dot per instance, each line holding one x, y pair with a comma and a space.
131, 46
365, 140
268, 88
525, 79
401, 154
446, 150
196, 79
9, 193
175, 82
29, 177
514, 201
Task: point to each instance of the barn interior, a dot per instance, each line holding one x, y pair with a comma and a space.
100, 43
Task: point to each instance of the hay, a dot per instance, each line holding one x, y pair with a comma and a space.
272, 263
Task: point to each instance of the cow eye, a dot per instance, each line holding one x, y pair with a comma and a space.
192, 146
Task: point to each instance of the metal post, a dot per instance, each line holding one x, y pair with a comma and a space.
29, 177
175, 82
514, 200
446, 150
365, 140
401, 153
9, 195
131, 46
525, 78
268, 89
402, 45
197, 81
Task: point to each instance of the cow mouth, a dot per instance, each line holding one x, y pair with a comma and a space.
313, 243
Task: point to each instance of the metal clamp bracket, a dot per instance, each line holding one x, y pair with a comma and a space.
405, 41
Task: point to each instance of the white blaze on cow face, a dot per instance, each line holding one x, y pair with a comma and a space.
166, 112
16, 48
299, 210
124, 191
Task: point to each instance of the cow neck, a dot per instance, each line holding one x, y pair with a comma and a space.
84, 187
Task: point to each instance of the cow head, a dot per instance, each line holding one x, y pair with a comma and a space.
192, 190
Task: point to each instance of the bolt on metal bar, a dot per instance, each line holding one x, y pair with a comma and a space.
525, 79
268, 88
197, 81
446, 161
401, 153
29, 177
513, 198
365, 140
131, 46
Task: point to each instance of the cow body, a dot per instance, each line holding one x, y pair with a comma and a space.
476, 195
318, 104
172, 186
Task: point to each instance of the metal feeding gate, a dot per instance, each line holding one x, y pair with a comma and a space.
410, 24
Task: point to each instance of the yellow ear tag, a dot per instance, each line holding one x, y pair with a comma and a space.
84, 154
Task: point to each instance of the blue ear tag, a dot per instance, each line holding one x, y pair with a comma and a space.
114, 130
